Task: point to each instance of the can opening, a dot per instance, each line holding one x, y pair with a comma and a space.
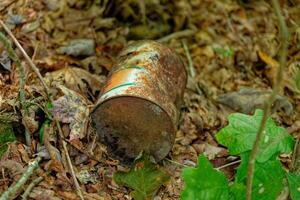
122, 121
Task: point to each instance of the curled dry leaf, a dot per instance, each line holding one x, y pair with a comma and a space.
76, 79
79, 47
71, 108
248, 99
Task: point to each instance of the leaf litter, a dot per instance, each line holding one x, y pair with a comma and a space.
233, 46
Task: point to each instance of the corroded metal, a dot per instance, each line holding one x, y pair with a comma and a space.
138, 107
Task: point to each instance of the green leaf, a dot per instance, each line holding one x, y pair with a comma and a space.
41, 132
145, 178
237, 191
268, 178
204, 182
6, 136
239, 136
294, 185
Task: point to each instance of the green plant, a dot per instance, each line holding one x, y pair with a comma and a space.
269, 176
145, 178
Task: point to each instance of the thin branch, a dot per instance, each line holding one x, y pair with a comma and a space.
184, 33
22, 81
177, 163
27, 58
190, 60
191, 71
295, 157
36, 70
12, 190
77, 186
228, 164
284, 36
31, 186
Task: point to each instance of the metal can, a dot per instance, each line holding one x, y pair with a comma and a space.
138, 106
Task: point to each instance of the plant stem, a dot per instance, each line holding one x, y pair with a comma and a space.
22, 96
37, 72
284, 37
31, 186
27, 58
175, 35
12, 190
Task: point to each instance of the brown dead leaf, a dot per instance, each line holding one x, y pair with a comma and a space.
76, 79
247, 100
40, 193
212, 152
72, 108
14, 168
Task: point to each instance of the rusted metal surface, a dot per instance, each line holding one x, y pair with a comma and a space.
138, 107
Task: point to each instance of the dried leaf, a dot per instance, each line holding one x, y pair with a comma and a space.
79, 47
247, 100
71, 108
76, 79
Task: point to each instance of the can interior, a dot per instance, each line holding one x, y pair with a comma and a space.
129, 125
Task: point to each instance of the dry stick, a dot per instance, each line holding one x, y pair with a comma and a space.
37, 72
178, 34
78, 189
192, 72
31, 186
284, 36
14, 189
27, 58
229, 164
22, 96
295, 163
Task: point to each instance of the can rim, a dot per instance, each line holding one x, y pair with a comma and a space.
138, 97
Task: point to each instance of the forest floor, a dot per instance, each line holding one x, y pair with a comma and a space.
233, 48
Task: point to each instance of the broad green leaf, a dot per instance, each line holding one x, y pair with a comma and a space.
6, 135
294, 185
268, 178
237, 191
239, 136
145, 178
204, 182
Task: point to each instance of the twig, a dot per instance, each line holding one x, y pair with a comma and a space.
178, 34
177, 163
284, 36
31, 186
22, 81
191, 72
12, 190
32, 65
190, 60
295, 163
36, 70
78, 188
228, 164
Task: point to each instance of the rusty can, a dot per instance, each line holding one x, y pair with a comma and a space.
138, 107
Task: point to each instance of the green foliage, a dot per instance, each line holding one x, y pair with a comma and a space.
41, 132
294, 185
237, 191
204, 182
224, 52
240, 134
269, 176
145, 178
6, 136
